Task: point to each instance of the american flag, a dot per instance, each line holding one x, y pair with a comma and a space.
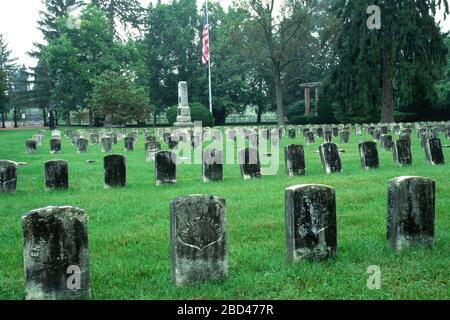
205, 40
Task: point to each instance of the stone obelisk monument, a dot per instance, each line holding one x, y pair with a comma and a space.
184, 113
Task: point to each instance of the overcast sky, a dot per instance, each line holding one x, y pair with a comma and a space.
18, 24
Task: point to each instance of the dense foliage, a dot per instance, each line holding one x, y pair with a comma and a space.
198, 113
261, 53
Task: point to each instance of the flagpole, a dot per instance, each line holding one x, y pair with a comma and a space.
209, 61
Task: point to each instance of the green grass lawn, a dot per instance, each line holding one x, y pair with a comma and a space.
129, 228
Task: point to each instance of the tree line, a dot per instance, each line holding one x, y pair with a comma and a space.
117, 62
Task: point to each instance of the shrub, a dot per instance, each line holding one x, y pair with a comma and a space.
198, 113
295, 109
301, 120
406, 117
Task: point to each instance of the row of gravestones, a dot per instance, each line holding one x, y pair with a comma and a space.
55, 242
379, 133
56, 171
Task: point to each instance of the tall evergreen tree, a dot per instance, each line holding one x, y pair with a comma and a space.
7, 63
20, 93
122, 15
42, 86
4, 98
402, 59
54, 9
77, 57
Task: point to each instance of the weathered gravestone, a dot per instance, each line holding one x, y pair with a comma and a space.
82, 145
309, 136
376, 134
173, 141
94, 137
406, 136
310, 217
30, 146
331, 160
68, 133
106, 144
198, 239
38, 139
56, 175
74, 138
335, 131
345, 136
402, 153
386, 142
294, 157
319, 132
368, 155
8, 176
151, 148
253, 139
291, 133
411, 212
129, 144
114, 138
328, 136
55, 249
424, 136
55, 146
165, 168
115, 171
249, 163
212, 165
166, 137
433, 151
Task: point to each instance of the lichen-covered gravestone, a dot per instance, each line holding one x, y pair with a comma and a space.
291, 133
151, 148
56, 175
94, 138
8, 176
115, 171
129, 144
331, 160
82, 145
433, 151
402, 153
30, 146
55, 146
310, 213
411, 212
328, 136
309, 137
165, 168
106, 144
345, 136
212, 165
294, 157
386, 142
55, 247
198, 239
249, 163
368, 155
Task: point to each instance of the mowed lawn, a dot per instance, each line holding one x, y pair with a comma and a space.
129, 228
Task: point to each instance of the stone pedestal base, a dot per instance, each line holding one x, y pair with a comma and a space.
183, 124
